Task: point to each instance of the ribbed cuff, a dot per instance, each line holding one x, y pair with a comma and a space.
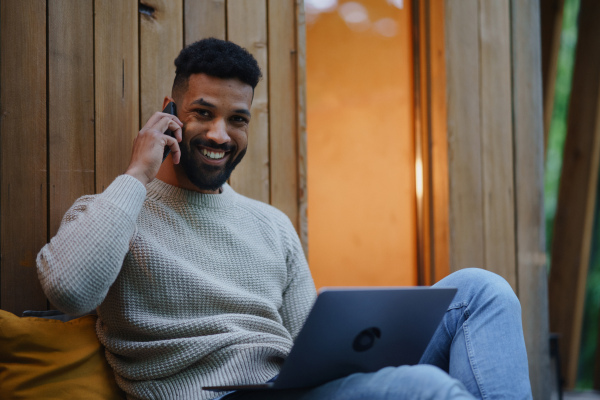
127, 193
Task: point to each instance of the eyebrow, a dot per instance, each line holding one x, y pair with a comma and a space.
205, 103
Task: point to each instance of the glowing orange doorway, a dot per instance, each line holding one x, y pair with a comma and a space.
361, 151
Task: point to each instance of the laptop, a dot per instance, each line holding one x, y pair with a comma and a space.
353, 330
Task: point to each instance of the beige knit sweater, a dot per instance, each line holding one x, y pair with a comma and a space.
191, 289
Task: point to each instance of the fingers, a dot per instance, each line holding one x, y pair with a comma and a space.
160, 122
174, 146
149, 145
165, 123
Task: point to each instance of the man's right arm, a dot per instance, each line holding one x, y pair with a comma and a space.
78, 266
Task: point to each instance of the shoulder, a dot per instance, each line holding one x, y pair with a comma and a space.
262, 211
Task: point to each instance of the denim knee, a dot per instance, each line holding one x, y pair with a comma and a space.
422, 375
485, 285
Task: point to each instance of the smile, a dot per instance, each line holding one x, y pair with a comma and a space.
215, 155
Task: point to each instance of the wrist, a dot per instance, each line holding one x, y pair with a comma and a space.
139, 175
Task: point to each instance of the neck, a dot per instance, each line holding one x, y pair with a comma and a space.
175, 176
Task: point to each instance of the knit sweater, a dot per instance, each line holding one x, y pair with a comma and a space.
191, 289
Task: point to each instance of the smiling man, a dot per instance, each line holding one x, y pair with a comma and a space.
196, 285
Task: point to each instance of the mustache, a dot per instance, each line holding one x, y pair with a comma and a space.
212, 144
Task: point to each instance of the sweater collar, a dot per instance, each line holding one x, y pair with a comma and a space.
158, 189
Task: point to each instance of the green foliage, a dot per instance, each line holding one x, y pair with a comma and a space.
558, 125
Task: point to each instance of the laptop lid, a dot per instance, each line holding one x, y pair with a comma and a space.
353, 330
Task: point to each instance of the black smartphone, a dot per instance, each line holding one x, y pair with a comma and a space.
169, 109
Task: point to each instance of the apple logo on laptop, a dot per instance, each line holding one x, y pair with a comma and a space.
366, 339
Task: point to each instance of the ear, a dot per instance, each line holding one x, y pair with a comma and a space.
166, 101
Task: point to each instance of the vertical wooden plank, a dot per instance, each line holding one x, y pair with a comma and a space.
70, 104
551, 16
496, 139
591, 240
528, 136
464, 142
301, 123
435, 141
203, 19
569, 263
421, 68
247, 26
116, 87
282, 108
439, 141
161, 39
23, 172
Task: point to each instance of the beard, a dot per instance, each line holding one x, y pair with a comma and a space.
204, 176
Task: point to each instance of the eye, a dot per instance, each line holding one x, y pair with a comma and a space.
238, 119
203, 112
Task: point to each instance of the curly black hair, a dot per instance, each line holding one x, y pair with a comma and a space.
218, 58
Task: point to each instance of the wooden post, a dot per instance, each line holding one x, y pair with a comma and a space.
464, 142
529, 191
301, 124
496, 140
438, 142
572, 228
23, 169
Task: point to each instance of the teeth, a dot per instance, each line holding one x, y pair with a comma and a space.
213, 154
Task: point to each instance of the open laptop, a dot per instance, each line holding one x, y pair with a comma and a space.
359, 330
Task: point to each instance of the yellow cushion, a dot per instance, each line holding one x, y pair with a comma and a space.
49, 359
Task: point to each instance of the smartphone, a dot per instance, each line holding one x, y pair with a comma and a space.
169, 109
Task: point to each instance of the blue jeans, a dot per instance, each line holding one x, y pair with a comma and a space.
478, 351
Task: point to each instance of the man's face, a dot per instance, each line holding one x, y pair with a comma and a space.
215, 114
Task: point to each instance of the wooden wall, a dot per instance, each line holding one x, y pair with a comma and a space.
79, 77
496, 154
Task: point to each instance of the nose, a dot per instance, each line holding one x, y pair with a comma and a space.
218, 131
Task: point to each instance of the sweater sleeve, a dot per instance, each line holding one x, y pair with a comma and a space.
78, 266
299, 295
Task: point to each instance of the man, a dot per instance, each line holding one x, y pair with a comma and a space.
196, 285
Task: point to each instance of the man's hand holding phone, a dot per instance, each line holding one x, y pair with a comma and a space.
150, 146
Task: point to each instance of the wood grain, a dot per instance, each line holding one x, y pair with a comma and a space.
116, 87
70, 104
496, 139
283, 136
301, 124
247, 26
23, 169
590, 246
161, 39
528, 133
203, 19
434, 149
422, 133
464, 142
571, 227
438, 142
